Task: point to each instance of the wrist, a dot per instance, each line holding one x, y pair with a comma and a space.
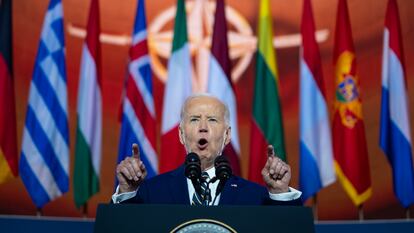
278, 190
126, 189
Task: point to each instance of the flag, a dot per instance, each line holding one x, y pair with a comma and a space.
44, 160
220, 84
395, 136
89, 114
138, 114
316, 155
267, 123
177, 89
8, 144
349, 143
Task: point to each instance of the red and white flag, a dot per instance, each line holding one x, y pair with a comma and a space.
395, 135
219, 81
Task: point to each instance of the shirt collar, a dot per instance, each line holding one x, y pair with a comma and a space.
211, 172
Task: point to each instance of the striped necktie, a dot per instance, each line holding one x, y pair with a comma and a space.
200, 199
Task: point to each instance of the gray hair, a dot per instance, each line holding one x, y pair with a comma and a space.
196, 95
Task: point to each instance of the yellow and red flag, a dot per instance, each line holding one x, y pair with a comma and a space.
8, 138
349, 143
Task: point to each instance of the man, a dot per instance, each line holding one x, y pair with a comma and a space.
205, 130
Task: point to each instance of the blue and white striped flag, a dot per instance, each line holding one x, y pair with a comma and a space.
138, 114
395, 139
44, 162
316, 156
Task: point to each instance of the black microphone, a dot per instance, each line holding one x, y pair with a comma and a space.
193, 170
223, 172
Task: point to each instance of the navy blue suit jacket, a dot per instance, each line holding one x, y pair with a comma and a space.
171, 188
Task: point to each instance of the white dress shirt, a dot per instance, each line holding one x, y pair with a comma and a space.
288, 196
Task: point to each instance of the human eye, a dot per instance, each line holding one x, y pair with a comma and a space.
193, 119
212, 119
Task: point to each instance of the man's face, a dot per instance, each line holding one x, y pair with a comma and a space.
204, 130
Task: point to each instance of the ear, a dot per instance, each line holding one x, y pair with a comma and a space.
181, 135
227, 136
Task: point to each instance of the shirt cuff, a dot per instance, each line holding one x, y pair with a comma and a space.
287, 196
118, 198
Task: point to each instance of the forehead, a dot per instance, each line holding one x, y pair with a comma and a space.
204, 105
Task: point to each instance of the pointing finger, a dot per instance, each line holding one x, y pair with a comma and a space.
268, 163
134, 166
135, 151
270, 151
273, 165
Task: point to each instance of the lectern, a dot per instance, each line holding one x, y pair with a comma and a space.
123, 218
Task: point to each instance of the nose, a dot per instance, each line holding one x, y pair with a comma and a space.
203, 128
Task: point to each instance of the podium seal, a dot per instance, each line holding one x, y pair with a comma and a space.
203, 225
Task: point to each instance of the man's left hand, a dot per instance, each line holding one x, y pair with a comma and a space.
276, 173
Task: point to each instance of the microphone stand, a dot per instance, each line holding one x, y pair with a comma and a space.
208, 191
214, 199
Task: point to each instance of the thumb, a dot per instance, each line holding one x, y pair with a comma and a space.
135, 151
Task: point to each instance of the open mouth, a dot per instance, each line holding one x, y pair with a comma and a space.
202, 144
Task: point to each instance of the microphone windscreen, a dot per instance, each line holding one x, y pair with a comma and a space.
223, 168
220, 159
192, 157
192, 166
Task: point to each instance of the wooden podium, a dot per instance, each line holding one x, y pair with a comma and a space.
122, 218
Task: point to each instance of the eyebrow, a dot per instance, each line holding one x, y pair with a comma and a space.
193, 116
199, 116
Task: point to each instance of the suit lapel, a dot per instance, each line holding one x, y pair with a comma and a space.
178, 187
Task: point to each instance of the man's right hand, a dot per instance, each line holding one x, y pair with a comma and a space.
131, 172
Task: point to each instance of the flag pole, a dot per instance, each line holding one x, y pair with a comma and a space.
360, 213
315, 207
85, 210
39, 212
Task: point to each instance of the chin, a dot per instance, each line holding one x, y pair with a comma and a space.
203, 155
